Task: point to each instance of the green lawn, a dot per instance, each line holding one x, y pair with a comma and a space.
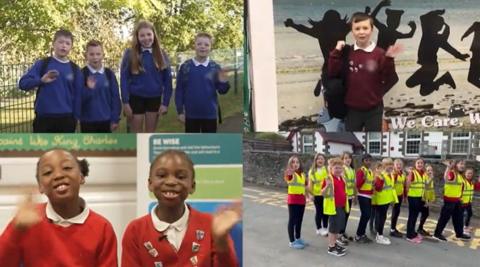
231, 104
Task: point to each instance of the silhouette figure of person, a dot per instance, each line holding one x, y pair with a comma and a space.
328, 31
388, 34
432, 40
474, 72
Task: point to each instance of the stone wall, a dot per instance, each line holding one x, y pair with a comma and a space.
266, 168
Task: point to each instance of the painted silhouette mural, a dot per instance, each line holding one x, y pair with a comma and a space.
434, 67
327, 31
388, 34
474, 72
435, 33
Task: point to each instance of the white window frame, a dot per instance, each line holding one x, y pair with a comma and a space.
412, 139
371, 137
305, 144
460, 138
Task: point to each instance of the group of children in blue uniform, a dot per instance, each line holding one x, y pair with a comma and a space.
67, 94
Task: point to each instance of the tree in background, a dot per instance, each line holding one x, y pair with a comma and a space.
27, 27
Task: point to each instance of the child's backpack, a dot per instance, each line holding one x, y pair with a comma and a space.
185, 70
108, 72
336, 89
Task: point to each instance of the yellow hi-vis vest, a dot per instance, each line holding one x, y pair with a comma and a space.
368, 185
329, 199
453, 189
317, 177
429, 194
296, 186
417, 186
467, 195
387, 195
399, 184
349, 175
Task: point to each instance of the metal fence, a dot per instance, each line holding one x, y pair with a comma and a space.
16, 106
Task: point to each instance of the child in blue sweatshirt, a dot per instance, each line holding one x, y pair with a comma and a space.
198, 81
59, 86
145, 79
100, 97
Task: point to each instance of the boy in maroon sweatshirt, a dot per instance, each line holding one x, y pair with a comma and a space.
371, 71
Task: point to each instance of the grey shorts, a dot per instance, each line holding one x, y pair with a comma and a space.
336, 222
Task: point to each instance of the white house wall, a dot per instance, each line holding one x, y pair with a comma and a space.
338, 149
435, 139
319, 146
395, 145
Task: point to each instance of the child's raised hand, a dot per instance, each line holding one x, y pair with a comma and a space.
289, 172
127, 110
340, 45
27, 214
224, 220
223, 74
50, 76
181, 118
113, 126
162, 110
91, 82
394, 50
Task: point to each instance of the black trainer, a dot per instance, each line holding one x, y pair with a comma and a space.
440, 237
333, 251
340, 248
396, 233
342, 241
362, 239
464, 237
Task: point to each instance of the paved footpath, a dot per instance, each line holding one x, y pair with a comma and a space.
266, 239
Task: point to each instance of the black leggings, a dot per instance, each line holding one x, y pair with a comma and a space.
365, 204
453, 210
346, 216
424, 211
295, 218
414, 207
320, 218
380, 217
468, 210
396, 213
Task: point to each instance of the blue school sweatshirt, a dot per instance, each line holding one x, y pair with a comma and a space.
61, 97
196, 91
149, 83
102, 103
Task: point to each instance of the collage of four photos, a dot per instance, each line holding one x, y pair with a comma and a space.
231, 133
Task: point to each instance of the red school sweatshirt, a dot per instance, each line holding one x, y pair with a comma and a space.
369, 75
197, 245
46, 244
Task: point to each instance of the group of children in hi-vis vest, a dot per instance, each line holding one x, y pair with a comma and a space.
64, 231
66, 94
375, 186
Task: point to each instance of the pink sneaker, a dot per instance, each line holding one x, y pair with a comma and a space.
419, 236
415, 240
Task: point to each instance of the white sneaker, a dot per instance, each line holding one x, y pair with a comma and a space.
382, 240
318, 231
323, 231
